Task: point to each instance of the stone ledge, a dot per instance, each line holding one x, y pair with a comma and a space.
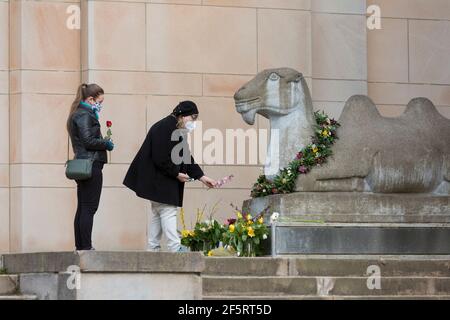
97, 261
397, 207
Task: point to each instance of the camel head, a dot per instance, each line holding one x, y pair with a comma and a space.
273, 92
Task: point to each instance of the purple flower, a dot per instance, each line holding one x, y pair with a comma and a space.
299, 155
302, 169
231, 221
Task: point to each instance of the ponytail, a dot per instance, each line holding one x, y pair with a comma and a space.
84, 91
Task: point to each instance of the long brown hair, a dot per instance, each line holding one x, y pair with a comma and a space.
84, 91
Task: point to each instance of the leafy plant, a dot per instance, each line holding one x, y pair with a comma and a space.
246, 233
206, 235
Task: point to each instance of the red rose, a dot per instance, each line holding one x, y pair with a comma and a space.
109, 124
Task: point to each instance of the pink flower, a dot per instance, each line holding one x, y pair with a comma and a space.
299, 155
303, 169
221, 182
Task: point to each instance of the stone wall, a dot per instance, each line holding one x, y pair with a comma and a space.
405, 58
149, 55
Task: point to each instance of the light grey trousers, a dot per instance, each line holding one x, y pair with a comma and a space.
163, 218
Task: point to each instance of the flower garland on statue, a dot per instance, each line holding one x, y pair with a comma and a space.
310, 156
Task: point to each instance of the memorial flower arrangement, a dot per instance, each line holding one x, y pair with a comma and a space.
314, 154
205, 236
242, 235
245, 234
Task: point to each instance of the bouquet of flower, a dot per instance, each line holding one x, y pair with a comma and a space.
210, 234
246, 233
205, 236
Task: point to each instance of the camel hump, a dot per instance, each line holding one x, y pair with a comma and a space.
421, 108
359, 109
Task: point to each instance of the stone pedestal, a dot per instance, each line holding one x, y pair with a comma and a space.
357, 223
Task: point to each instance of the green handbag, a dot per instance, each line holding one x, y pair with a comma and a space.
79, 169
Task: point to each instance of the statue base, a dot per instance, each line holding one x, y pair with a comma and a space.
357, 223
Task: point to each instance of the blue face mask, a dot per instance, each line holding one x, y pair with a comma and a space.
97, 107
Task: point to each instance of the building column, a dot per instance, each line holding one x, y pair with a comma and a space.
44, 72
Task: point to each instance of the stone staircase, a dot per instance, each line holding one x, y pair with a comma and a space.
327, 277
9, 288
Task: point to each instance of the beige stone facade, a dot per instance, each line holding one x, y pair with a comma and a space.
149, 55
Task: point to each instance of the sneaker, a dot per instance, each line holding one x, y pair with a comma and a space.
183, 249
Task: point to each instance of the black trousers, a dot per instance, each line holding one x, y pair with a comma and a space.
88, 194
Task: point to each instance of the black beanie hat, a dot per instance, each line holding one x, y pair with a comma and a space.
185, 108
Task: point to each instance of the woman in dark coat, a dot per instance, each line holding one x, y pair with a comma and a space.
160, 169
84, 130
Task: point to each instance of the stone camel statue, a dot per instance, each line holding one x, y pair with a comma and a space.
406, 154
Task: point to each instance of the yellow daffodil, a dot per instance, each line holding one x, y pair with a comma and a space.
210, 253
249, 217
251, 232
261, 220
249, 222
325, 133
231, 227
185, 233
239, 215
315, 150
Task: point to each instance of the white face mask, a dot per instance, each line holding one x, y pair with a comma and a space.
191, 125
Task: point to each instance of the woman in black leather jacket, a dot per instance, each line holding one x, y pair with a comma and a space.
84, 130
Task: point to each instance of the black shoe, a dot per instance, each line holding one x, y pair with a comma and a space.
90, 249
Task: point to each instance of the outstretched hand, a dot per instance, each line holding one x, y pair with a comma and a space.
207, 181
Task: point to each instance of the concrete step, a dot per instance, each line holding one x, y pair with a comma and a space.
339, 266
18, 297
323, 286
8, 284
243, 298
